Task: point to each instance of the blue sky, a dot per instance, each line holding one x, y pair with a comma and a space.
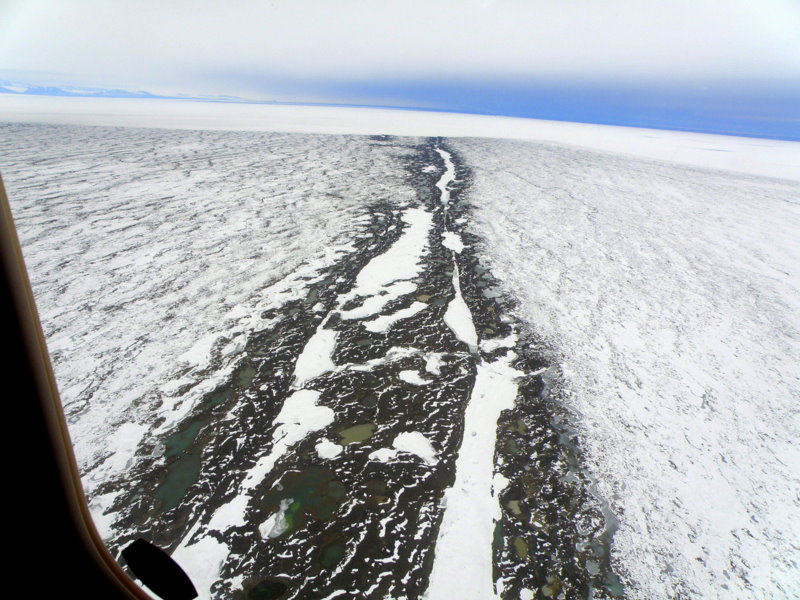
722, 66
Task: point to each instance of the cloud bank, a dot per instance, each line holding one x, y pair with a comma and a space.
422, 53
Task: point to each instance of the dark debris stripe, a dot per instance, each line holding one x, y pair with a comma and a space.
359, 525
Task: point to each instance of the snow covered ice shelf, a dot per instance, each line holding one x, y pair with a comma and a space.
670, 297
665, 296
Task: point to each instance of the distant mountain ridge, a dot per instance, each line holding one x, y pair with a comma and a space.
26, 89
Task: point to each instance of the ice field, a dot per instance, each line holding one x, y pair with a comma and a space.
368, 366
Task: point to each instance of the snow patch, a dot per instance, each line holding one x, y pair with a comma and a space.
452, 241
315, 359
434, 362
384, 322
413, 377
393, 354
300, 416
102, 518
412, 442
328, 449
202, 562
276, 524
448, 176
374, 304
470, 505
401, 261
458, 317
383, 454
230, 514
416, 443
123, 446
495, 343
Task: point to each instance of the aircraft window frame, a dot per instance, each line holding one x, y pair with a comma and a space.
75, 549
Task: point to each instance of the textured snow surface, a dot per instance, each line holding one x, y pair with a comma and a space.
191, 235
670, 297
667, 295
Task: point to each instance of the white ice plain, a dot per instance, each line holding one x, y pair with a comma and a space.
667, 297
670, 298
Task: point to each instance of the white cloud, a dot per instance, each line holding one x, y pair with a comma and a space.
147, 43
